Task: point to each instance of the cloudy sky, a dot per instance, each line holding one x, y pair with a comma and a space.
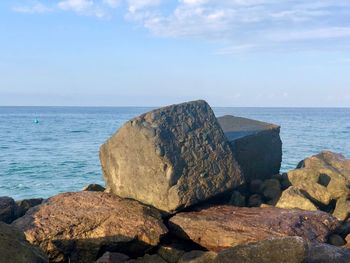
156, 52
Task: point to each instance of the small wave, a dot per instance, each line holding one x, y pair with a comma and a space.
78, 131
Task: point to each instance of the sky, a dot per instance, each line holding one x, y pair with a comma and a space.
239, 53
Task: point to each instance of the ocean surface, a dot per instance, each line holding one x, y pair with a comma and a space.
48, 150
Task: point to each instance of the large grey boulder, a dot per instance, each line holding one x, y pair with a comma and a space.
256, 145
170, 158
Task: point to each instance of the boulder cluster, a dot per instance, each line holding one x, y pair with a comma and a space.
183, 186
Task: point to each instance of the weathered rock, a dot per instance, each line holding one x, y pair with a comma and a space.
254, 200
151, 259
15, 249
170, 158
324, 253
271, 189
80, 226
282, 250
347, 239
8, 209
94, 188
221, 227
170, 254
342, 208
323, 177
294, 198
336, 240
24, 205
198, 256
256, 145
112, 257
237, 199
255, 186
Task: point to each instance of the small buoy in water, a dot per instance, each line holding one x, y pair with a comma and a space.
36, 121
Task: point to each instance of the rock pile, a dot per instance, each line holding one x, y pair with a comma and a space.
182, 186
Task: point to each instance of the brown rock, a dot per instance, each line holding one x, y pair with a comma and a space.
170, 158
112, 257
8, 209
293, 198
281, 250
197, 256
257, 146
221, 227
94, 188
323, 177
342, 208
347, 239
78, 226
324, 253
15, 249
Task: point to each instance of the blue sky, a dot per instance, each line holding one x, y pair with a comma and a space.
157, 52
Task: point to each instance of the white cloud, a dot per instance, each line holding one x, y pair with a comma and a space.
239, 25
36, 8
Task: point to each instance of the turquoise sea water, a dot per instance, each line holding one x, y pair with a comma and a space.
48, 150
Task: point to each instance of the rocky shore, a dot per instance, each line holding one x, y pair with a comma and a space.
183, 186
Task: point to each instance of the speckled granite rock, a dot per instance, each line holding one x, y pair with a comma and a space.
170, 158
221, 227
257, 145
77, 227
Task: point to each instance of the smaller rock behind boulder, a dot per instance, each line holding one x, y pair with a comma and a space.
8, 209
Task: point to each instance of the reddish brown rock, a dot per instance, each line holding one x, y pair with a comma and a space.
221, 227
77, 227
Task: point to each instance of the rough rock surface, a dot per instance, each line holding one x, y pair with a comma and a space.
109, 257
81, 226
282, 250
342, 208
170, 158
257, 146
324, 177
15, 249
294, 198
8, 209
220, 227
197, 256
324, 253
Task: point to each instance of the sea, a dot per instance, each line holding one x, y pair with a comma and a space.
48, 150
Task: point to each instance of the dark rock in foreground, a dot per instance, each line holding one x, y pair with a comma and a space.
15, 249
256, 145
170, 158
79, 227
221, 227
324, 253
281, 250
